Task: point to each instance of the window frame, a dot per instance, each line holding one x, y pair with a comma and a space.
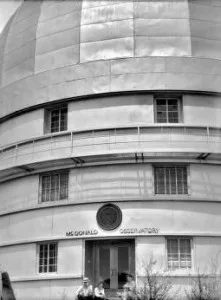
191, 254
48, 258
168, 97
165, 165
48, 117
53, 173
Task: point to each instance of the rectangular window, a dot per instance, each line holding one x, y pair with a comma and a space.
170, 180
48, 257
56, 119
179, 253
54, 186
167, 110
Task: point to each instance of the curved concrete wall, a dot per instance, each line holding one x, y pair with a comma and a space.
168, 218
112, 112
112, 183
55, 50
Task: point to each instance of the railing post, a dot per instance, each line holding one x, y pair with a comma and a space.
72, 142
92, 140
51, 143
138, 131
109, 139
16, 152
208, 134
33, 148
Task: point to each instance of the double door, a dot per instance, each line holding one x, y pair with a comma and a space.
111, 261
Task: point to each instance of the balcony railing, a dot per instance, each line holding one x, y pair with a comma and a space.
112, 141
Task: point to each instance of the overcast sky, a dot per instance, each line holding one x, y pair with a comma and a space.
7, 7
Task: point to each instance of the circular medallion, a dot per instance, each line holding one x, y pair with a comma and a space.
109, 216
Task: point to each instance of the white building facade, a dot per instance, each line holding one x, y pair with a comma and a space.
110, 143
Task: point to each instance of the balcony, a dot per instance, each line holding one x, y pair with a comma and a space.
155, 139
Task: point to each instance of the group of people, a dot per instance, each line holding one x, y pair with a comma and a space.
86, 291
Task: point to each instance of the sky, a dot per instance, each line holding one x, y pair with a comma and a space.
7, 8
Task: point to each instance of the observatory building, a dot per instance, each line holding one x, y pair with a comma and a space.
110, 142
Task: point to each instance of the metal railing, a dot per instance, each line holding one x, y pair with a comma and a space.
124, 139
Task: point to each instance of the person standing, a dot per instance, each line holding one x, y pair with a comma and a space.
85, 291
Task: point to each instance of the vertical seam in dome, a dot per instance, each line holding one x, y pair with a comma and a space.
6, 30
80, 30
40, 10
79, 49
134, 39
188, 8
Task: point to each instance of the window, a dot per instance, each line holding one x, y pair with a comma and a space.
54, 186
56, 119
179, 253
48, 257
167, 110
170, 180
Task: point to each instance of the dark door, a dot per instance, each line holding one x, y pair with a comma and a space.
110, 261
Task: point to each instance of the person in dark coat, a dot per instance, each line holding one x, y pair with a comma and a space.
7, 290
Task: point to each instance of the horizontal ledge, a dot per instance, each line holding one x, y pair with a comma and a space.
40, 277
184, 274
108, 236
171, 274
61, 203
69, 163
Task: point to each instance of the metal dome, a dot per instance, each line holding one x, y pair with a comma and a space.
53, 50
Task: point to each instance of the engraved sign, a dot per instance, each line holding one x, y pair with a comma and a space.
109, 217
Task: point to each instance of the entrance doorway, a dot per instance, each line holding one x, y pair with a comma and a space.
109, 261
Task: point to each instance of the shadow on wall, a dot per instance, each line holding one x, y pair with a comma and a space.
6, 290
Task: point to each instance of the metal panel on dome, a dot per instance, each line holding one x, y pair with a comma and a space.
57, 41
160, 29
144, 65
58, 24
138, 81
202, 47
107, 49
58, 35
162, 46
3, 39
79, 72
215, 3
205, 33
54, 9
19, 58
159, 9
192, 65
202, 11
21, 70
106, 31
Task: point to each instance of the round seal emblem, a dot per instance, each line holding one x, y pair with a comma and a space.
109, 217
